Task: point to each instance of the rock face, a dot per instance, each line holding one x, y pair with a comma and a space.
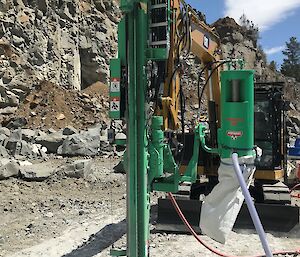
67, 42
239, 42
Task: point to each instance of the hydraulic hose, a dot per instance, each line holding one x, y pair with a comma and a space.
294, 188
253, 213
206, 245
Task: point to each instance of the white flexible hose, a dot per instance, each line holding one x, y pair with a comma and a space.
253, 213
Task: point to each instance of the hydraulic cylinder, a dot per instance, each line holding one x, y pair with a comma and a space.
237, 113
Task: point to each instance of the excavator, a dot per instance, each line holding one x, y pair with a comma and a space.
155, 37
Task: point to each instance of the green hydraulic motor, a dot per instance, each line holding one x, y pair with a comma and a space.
237, 114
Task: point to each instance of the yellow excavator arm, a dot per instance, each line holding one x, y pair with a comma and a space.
188, 35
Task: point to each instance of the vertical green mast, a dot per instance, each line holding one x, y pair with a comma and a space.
137, 194
143, 36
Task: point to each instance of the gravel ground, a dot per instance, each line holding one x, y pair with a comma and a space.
74, 217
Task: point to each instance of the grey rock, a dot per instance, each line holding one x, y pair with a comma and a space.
28, 135
79, 145
12, 99
26, 150
78, 169
37, 172
3, 140
8, 168
3, 152
8, 110
53, 52
8, 75
51, 131
43, 5
84, 43
291, 106
120, 168
17, 122
238, 37
86, 143
16, 135
16, 145
5, 131
17, 40
13, 143
69, 131
20, 148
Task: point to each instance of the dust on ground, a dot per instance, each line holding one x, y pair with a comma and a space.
68, 217
32, 212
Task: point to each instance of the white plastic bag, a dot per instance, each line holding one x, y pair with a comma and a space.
221, 207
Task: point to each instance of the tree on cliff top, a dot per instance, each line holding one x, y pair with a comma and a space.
250, 28
291, 64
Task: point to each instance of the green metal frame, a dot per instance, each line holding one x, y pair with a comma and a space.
149, 160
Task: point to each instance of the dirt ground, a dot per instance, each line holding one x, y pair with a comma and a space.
74, 217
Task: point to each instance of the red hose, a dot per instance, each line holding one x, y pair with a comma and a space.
294, 188
210, 248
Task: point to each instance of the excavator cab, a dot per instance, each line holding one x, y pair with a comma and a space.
270, 130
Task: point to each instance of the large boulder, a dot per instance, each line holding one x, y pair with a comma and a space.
77, 169
37, 172
86, 143
79, 144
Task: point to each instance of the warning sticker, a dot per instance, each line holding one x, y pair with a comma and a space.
114, 85
115, 104
234, 134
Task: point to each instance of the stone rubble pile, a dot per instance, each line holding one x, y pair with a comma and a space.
20, 146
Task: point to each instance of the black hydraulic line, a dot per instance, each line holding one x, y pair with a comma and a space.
199, 77
209, 77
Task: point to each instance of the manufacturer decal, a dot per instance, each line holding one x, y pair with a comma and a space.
206, 41
114, 85
234, 134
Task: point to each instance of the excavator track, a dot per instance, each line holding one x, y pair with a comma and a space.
274, 217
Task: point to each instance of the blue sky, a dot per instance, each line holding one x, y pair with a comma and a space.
277, 20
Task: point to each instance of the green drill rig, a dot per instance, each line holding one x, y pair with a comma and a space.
145, 91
